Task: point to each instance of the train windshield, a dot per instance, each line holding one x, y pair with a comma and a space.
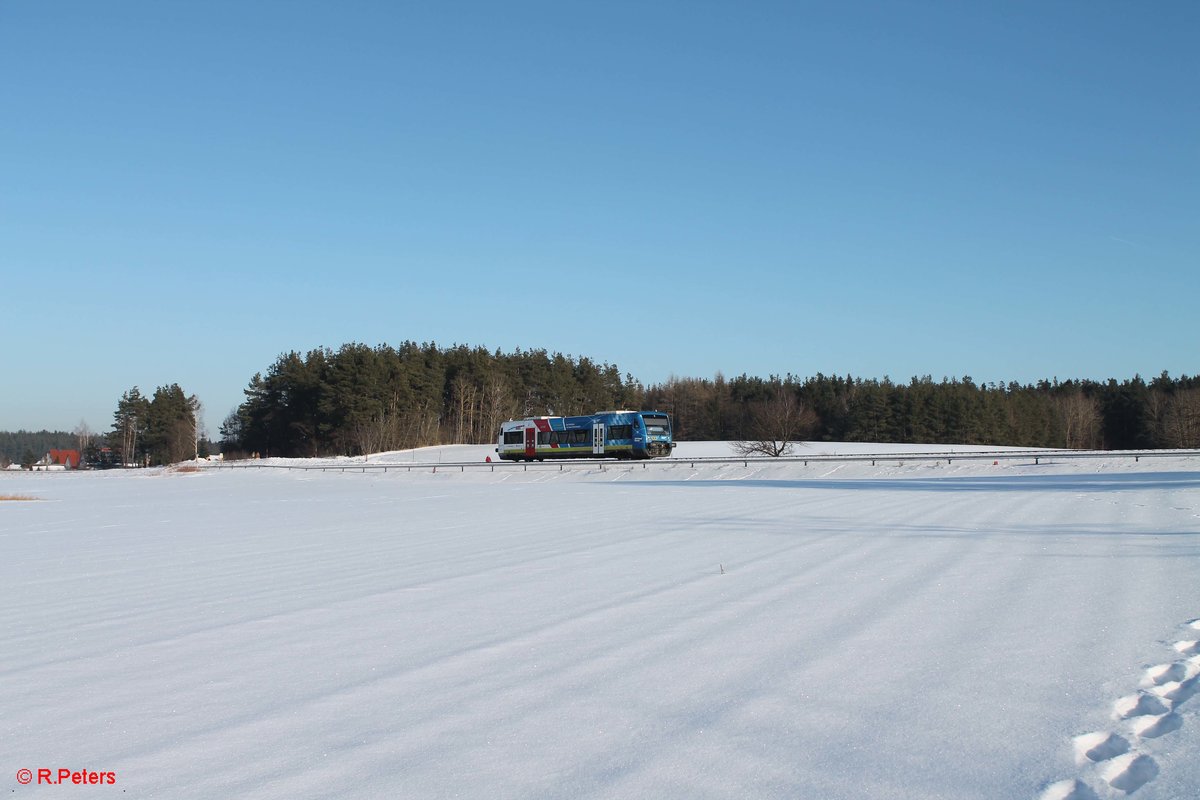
657, 424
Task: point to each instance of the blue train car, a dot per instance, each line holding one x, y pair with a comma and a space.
607, 434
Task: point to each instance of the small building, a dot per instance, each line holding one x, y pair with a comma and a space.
67, 459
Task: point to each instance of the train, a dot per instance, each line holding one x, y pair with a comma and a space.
605, 434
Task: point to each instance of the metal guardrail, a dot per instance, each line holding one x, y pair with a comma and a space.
1038, 456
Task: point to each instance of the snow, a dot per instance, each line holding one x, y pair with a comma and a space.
836, 630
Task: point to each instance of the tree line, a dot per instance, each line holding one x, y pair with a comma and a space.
25, 447
361, 399
1112, 415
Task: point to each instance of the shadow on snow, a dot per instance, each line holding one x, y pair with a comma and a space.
1023, 483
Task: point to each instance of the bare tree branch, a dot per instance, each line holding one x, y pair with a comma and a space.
776, 424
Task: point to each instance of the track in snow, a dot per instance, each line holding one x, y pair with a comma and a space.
1114, 758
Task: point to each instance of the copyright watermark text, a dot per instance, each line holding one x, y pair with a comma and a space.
54, 777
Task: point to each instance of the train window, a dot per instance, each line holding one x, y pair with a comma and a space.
657, 425
568, 437
513, 437
620, 432
543, 437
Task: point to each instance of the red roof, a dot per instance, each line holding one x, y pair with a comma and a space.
68, 458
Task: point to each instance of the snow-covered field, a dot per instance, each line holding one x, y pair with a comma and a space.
836, 630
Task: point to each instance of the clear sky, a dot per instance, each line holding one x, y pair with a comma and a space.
1005, 190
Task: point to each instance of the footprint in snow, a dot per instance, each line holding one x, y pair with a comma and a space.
1189, 647
1068, 790
1149, 714
1141, 704
1153, 727
1130, 772
1165, 673
1178, 692
1099, 746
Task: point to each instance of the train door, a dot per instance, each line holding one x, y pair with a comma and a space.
530, 442
597, 438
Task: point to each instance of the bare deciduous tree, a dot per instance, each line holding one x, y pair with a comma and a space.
370, 433
463, 392
498, 405
84, 434
776, 424
1081, 420
1183, 419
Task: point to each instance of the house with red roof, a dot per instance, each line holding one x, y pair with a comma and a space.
68, 459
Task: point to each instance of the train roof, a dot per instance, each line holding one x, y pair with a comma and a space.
593, 414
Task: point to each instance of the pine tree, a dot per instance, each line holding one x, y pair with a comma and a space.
171, 429
129, 426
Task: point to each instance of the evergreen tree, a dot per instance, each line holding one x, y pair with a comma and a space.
171, 427
128, 436
1127, 422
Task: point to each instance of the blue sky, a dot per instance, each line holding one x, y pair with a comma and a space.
1006, 190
